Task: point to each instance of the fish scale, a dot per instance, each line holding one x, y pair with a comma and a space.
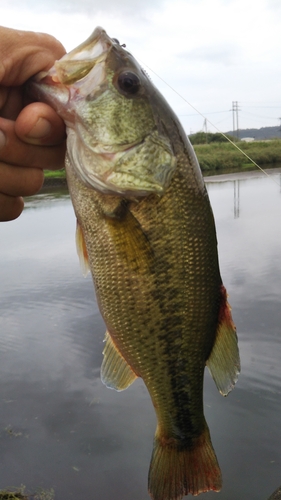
146, 231
140, 326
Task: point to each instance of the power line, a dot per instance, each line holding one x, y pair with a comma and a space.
264, 107
209, 113
260, 116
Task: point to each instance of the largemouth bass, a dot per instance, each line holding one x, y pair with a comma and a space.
147, 233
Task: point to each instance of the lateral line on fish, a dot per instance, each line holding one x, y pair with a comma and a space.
212, 124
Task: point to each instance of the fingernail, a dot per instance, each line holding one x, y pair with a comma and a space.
2, 139
41, 128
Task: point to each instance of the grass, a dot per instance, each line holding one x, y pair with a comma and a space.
19, 494
13, 494
10, 495
223, 157
54, 174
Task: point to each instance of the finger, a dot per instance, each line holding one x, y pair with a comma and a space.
18, 153
24, 53
20, 181
39, 124
11, 102
10, 207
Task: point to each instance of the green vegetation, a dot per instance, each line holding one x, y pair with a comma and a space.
54, 174
13, 494
220, 156
223, 157
9, 495
203, 138
19, 494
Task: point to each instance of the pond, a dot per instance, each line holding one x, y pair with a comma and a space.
61, 428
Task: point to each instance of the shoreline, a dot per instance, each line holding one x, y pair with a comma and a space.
236, 176
60, 182
54, 182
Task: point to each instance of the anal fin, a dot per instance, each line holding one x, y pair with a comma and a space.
115, 371
224, 360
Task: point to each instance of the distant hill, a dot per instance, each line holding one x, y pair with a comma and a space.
259, 133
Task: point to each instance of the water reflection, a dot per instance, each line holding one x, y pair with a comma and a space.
61, 428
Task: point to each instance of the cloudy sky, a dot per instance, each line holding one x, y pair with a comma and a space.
211, 52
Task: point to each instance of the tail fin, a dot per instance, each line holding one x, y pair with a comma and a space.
176, 470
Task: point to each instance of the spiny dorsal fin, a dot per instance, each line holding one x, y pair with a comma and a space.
224, 361
82, 250
115, 371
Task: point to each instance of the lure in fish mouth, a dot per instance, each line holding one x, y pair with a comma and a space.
146, 231
104, 157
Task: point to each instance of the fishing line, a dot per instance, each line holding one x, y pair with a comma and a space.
212, 124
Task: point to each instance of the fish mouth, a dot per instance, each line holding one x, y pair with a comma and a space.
77, 63
76, 75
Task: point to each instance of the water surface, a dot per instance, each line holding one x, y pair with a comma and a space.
61, 428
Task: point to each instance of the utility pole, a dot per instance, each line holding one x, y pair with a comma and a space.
235, 109
205, 127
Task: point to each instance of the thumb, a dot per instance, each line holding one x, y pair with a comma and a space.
39, 124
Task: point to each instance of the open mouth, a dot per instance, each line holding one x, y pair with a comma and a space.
73, 77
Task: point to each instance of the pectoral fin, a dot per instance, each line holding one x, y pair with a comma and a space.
132, 246
115, 371
82, 250
224, 361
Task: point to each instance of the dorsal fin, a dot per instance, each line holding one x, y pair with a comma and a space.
82, 250
224, 361
115, 371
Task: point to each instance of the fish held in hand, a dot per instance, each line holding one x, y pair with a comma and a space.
146, 231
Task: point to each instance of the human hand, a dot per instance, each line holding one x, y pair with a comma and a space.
32, 137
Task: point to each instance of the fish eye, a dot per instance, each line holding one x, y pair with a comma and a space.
129, 82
